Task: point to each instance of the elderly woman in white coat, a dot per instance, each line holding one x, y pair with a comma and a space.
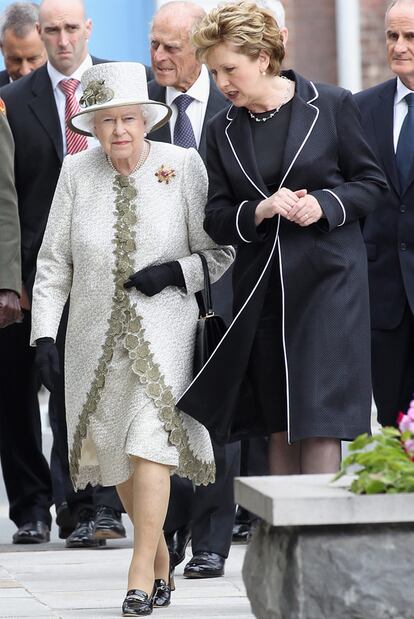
122, 239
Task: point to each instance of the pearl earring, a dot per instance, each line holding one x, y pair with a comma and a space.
145, 134
263, 72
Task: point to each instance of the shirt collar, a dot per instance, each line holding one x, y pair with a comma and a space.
401, 91
200, 90
56, 76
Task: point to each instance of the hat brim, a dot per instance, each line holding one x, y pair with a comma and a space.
159, 115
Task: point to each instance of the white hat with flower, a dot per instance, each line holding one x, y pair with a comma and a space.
114, 84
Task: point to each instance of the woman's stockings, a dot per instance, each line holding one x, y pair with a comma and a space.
309, 456
145, 497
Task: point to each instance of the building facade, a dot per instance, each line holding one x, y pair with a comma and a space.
121, 33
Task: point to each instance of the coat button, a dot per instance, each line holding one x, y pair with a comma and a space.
403, 246
403, 208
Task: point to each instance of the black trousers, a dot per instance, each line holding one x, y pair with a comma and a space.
63, 490
208, 509
253, 462
25, 469
393, 369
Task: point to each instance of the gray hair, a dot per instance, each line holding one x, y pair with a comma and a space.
20, 18
395, 2
277, 8
182, 7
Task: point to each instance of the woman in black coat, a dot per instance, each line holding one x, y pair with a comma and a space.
290, 176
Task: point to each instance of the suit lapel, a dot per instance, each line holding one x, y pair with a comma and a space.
383, 121
157, 93
303, 119
44, 107
240, 139
215, 103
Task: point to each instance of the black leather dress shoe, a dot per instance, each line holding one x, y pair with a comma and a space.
36, 532
205, 565
108, 524
138, 603
82, 536
177, 542
241, 533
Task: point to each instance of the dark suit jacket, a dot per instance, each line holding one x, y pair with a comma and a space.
216, 102
389, 232
321, 268
34, 121
4, 78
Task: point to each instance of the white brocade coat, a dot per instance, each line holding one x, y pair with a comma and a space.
127, 356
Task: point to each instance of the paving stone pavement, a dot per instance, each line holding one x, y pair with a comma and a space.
47, 581
90, 584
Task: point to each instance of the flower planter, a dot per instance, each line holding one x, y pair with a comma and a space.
322, 552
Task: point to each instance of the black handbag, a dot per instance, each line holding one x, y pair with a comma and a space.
210, 327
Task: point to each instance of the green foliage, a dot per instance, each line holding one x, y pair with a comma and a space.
379, 463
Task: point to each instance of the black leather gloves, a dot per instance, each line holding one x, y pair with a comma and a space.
153, 279
47, 361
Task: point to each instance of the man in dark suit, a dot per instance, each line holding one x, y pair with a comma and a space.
207, 514
20, 43
388, 119
36, 112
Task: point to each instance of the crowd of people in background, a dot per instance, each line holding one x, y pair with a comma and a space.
115, 177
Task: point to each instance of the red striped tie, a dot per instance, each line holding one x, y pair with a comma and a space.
74, 142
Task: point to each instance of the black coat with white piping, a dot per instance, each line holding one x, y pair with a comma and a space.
323, 270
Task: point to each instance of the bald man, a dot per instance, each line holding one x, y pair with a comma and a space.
36, 113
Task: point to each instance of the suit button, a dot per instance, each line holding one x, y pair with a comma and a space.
403, 208
403, 246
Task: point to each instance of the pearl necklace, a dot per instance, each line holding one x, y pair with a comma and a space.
141, 159
284, 100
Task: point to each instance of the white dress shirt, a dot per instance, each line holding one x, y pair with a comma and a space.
400, 109
55, 78
196, 111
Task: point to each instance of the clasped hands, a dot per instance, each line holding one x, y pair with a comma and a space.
296, 206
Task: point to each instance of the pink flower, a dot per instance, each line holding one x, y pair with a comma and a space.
404, 423
410, 413
400, 417
409, 446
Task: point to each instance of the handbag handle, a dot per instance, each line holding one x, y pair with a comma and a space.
205, 302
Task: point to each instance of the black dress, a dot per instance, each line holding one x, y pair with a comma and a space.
266, 369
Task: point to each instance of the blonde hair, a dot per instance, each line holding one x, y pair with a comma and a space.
245, 25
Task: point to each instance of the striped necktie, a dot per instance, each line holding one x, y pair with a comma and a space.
74, 142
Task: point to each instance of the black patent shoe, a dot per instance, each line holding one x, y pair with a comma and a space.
162, 597
205, 565
36, 532
82, 536
138, 603
108, 524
